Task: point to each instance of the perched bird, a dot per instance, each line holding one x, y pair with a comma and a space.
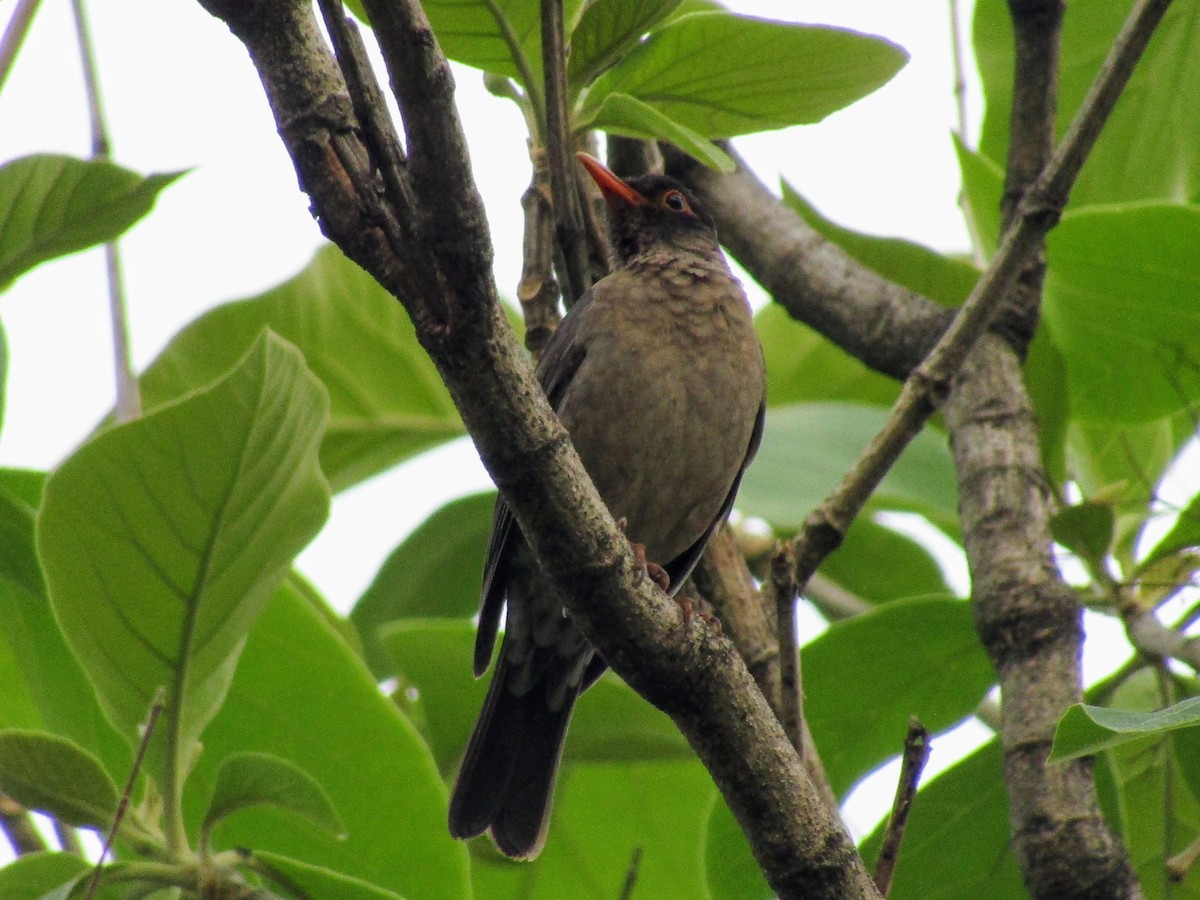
657, 374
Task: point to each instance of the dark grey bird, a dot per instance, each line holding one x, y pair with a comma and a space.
658, 375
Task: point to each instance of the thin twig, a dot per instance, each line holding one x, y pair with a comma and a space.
568, 216
926, 388
68, 838
631, 874
960, 72
14, 35
791, 689
538, 289
912, 763
156, 708
129, 402
17, 826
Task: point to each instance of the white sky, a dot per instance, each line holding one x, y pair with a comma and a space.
180, 93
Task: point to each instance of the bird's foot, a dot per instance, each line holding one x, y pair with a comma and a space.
688, 606
656, 572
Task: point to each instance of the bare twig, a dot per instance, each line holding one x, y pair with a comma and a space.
129, 402
17, 827
912, 764
791, 686
568, 216
156, 708
926, 388
14, 35
538, 290
960, 72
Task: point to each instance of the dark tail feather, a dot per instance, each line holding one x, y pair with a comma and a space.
507, 775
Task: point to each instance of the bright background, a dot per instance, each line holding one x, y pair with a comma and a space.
180, 93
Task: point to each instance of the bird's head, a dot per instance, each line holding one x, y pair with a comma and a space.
651, 211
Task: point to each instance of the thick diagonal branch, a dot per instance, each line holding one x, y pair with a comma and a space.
696, 676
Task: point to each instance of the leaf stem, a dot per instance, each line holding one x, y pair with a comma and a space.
532, 89
14, 35
129, 402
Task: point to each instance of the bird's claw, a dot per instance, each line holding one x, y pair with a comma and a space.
656, 572
690, 612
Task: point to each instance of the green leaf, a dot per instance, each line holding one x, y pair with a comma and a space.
1086, 529
436, 572
1086, 730
1120, 286
983, 189
494, 35
803, 366
607, 31
1184, 533
300, 693
1154, 122
730, 869
387, 402
162, 540
1159, 813
317, 881
18, 558
927, 272
881, 565
605, 817
1047, 382
611, 723
53, 775
807, 448
722, 75
32, 876
246, 780
628, 116
866, 677
54, 205
965, 808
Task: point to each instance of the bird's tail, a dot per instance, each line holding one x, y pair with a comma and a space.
507, 775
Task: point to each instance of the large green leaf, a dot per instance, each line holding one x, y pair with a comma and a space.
963, 808
301, 694
436, 572
880, 565
162, 540
607, 31
1120, 305
983, 189
386, 400
45, 687
721, 74
501, 36
608, 818
54, 205
1150, 147
942, 278
610, 724
731, 872
807, 448
802, 366
866, 677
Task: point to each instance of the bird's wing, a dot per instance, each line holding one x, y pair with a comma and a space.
559, 363
681, 566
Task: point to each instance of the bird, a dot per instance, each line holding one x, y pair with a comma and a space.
658, 376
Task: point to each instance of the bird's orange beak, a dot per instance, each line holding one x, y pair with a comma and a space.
612, 187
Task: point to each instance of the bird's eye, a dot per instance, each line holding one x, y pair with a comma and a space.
676, 201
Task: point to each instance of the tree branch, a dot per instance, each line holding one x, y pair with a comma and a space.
696, 677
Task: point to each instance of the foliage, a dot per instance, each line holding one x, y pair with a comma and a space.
155, 561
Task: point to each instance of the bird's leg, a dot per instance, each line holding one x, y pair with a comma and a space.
689, 612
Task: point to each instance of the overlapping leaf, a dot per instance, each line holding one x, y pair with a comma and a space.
386, 399
162, 539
